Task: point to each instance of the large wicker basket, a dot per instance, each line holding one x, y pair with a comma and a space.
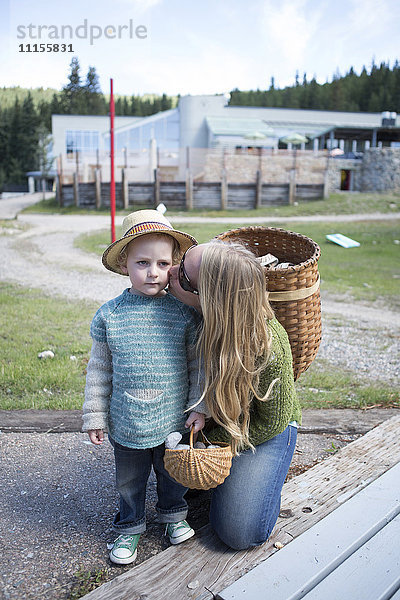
294, 291
198, 468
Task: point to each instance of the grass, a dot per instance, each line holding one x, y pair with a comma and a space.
30, 323
87, 581
325, 386
368, 273
342, 203
26, 382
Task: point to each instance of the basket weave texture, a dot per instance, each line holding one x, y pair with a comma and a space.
299, 315
199, 468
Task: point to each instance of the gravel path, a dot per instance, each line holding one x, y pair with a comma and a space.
58, 496
58, 502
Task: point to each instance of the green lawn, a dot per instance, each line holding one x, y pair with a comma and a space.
30, 323
63, 327
337, 204
325, 386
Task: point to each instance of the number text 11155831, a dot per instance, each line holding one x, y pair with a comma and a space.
45, 48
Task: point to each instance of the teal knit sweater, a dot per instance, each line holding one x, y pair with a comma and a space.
271, 417
143, 371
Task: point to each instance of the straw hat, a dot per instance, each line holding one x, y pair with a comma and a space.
142, 222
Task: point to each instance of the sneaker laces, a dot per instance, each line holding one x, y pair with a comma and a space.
175, 526
124, 541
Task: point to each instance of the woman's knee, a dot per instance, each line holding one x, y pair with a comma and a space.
236, 535
243, 529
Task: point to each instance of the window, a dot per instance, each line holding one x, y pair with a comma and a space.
85, 141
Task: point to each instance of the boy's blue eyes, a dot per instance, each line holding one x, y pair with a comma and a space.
145, 262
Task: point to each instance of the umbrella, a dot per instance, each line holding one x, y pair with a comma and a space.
337, 152
294, 138
255, 135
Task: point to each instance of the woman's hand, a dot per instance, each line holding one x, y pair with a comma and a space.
197, 420
96, 436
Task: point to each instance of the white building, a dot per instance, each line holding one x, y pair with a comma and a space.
178, 139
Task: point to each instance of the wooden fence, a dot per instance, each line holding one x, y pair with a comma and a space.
181, 195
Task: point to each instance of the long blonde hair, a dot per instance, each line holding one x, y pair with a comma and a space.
234, 343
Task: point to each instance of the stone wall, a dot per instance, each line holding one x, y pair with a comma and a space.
336, 165
274, 167
380, 170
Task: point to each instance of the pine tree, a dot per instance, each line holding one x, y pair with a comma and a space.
43, 157
135, 108
125, 107
91, 92
4, 141
29, 135
16, 139
118, 107
165, 102
71, 96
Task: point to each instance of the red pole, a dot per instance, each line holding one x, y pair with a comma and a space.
112, 181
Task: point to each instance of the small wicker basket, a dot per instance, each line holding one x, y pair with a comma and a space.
293, 291
199, 468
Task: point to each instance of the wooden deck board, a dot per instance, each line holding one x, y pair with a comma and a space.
349, 535
208, 566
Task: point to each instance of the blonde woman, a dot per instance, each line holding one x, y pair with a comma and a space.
249, 387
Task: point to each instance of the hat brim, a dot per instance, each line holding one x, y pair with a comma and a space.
110, 255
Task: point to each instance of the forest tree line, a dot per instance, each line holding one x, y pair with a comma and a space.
25, 116
375, 91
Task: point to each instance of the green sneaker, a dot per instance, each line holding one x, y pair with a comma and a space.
179, 532
124, 549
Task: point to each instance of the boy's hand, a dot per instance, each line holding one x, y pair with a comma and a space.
197, 420
96, 436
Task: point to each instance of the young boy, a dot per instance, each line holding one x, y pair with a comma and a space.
142, 375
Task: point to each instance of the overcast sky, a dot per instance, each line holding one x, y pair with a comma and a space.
195, 47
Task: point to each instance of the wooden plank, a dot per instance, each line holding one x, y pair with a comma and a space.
322, 549
206, 563
275, 194
207, 195
241, 196
224, 192
309, 191
140, 194
372, 573
258, 189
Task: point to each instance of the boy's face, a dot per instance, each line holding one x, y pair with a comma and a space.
148, 263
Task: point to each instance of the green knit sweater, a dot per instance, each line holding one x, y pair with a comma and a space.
271, 417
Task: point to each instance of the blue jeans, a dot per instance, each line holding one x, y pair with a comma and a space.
245, 508
133, 469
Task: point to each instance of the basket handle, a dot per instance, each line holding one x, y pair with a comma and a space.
191, 438
192, 435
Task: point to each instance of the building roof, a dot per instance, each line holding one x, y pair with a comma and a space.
237, 126
140, 121
247, 127
278, 123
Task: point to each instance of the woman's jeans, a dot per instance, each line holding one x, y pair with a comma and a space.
245, 508
133, 469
